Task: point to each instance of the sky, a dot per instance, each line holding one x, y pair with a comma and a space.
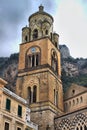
70, 22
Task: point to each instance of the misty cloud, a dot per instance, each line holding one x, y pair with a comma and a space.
68, 22
14, 14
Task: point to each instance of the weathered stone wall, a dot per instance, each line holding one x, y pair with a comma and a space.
45, 81
44, 119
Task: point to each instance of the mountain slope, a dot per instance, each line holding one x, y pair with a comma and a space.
73, 70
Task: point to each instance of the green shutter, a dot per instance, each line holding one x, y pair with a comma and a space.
8, 104
19, 110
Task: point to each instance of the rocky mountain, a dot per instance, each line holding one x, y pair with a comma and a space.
73, 70
9, 70
71, 66
65, 53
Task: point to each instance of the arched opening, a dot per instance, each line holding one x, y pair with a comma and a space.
46, 32
81, 99
73, 91
73, 102
48, 127
33, 57
29, 95
54, 61
85, 127
26, 38
77, 100
57, 98
77, 128
35, 34
69, 103
34, 93
54, 97
80, 127
56, 44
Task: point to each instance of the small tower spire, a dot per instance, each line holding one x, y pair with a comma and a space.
41, 8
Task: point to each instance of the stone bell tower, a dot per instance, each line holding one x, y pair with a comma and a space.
39, 71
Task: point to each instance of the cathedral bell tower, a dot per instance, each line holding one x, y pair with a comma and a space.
39, 71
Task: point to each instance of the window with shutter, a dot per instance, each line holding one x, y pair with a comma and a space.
8, 104
19, 111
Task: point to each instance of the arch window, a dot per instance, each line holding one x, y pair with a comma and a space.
81, 99
56, 44
81, 128
77, 128
35, 34
29, 94
69, 103
34, 60
85, 127
34, 93
73, 91
77, 100
26, 38
33, 57
73, 102
46, 32
56, 97
54, 61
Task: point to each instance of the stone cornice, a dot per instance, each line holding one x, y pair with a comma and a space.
13, 95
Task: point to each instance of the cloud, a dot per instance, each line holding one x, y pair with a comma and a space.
85, 1
71, 24
50, 5
12, 14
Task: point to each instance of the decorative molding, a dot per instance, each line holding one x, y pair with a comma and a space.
8, 92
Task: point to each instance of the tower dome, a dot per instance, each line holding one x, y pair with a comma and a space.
41, 11
41, 24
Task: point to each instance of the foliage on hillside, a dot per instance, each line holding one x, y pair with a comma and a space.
67, 80
9, 69
5, 61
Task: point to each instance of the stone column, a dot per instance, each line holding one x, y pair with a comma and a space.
35, 60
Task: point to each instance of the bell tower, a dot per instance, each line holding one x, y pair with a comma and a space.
39, 70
